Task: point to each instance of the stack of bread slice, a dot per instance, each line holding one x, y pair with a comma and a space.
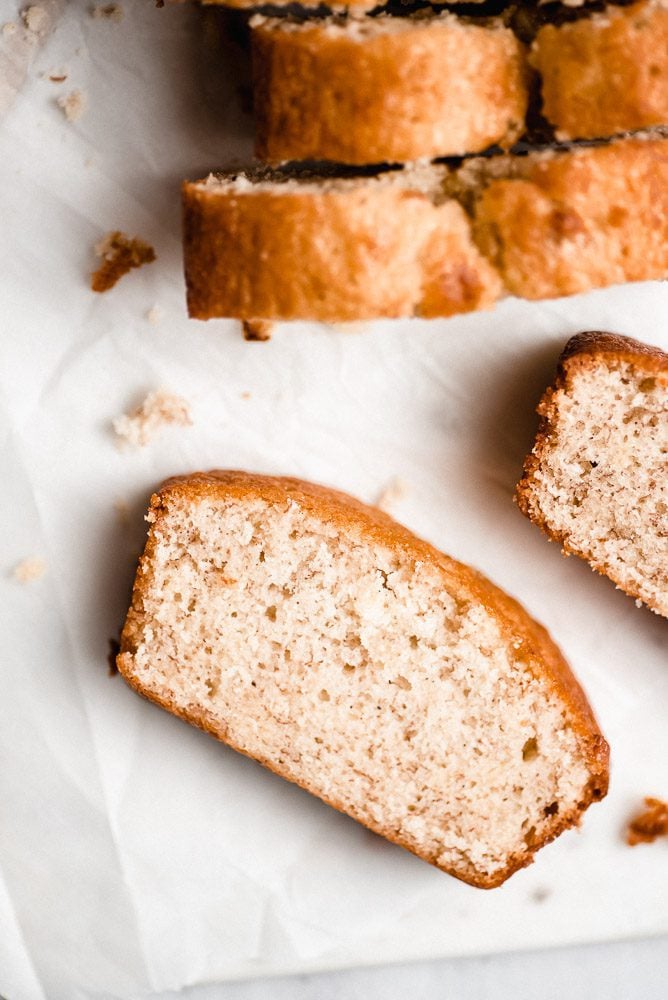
402, 173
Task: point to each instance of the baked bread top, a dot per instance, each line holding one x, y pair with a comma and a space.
428, 241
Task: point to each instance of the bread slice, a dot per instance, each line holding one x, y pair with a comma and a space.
385, 89
323, 639
271, 246
558, 223
607, 73
597, 478
426, 241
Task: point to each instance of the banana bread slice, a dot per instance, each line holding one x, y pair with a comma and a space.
428, 240
607, 73
597, 478
326, 641
385, 89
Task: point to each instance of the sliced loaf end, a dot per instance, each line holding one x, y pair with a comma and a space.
597, 478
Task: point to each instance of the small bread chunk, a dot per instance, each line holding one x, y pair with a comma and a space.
385, 89
564, 222
650, 824
607, 73
330, 249
597, 478
321, 638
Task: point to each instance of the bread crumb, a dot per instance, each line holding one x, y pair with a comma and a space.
107, 11
30, 569
58, 75
154, 315
9, 29
395, 491
650, 824
257, 329
36, 19
119, 254
245, 395
158, 409
73, 104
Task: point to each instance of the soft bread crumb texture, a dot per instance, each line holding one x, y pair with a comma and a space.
119, 254
160, 409
375, 679
607, 73
650, 824
29, 570
597, 479
73, 105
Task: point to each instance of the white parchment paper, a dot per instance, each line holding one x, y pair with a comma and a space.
137, 854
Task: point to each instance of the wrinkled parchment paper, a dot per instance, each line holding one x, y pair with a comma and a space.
136, 853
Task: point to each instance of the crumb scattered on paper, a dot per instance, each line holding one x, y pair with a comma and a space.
36, 19
58, 75
119, 254
9, 29
114, 650
30, 569
649, 824
107, 11
246, 394
257, 329
154, 315
395, 491
73, 105
159, 409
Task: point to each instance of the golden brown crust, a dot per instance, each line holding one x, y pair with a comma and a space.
545, 225
367, 92
571, 221
583, 352
605, 74
330, 255
535, 647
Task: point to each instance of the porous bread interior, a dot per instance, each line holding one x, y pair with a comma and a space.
365, 676
602, 480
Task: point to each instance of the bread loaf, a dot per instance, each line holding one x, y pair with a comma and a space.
321, 638
597, 478
385, 89
426, 241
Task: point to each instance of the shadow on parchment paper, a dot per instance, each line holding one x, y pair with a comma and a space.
508, 424
121, 537
208, 92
